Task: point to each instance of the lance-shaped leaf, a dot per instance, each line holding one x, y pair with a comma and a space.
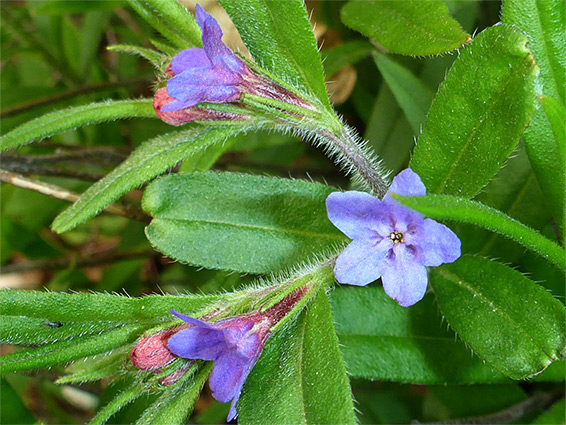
345, 54
122, 399
506, 319
484, 105
158, 59
280, 38
300, 377
408, 27
152, 158
171, 19
412, 94
30, 317
68, 119
68, 350
445, 207
176, 403
239, 222
381, 340
544, 23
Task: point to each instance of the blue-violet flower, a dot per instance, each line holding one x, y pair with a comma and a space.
390, 240
212, 74
234, 344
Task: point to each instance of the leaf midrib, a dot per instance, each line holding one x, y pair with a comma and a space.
500, 311
496, 97
257, 227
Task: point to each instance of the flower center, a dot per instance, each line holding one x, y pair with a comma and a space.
396, 237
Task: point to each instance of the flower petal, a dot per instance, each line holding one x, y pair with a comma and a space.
358, 215
198, 343
404, 278
202, 85
191, 95
217, 52
191, 320
227, 378
406, 183
436, 243
361, 262
189, 58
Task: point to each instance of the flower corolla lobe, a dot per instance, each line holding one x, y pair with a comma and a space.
390, 241
212, 74
234, 344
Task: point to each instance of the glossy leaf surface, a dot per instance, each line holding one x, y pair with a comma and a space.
506, 319
239, 222
300, 377
484, 105
407, 27
279, 37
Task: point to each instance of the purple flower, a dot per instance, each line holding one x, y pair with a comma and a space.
389, 240
234, 344
212, 74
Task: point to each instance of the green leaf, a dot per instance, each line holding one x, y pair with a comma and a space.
152, 158
415, 28
171, 20
381, 340
300, 377
557, 118
506, 319
71, 118
388, 132
514, 191
68, 350
554, 415
280, 38
176, 403
410, 92
445, 207
347, 53
96, 369
544, 23
14, 410
60, 7
159, 60
125, 397
239, 222
60, 306
178, 19
484, 105
549, 159
544, 154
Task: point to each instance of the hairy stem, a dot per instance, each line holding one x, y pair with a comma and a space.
354, 159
